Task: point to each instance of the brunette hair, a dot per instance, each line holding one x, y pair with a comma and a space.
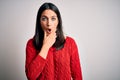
39, 33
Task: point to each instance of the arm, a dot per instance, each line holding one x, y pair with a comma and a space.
34, 62
75, 62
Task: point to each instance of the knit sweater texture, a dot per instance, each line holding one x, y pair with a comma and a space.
63, 64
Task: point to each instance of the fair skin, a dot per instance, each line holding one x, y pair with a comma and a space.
49, 22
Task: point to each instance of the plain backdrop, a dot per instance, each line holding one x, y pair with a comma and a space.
94, 24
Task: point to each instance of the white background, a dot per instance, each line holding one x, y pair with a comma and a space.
94, 24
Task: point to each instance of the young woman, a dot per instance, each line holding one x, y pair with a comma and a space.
49, 54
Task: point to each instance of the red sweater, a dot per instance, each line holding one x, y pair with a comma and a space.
62, 64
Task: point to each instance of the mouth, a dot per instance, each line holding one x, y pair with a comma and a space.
48, 31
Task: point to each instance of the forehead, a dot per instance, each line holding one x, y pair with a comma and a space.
48, 13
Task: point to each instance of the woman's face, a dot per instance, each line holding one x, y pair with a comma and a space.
49, 21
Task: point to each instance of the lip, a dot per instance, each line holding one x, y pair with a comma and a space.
48, 31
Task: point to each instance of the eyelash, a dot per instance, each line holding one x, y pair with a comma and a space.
53, 19
44, 18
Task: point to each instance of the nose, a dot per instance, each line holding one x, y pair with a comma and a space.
49, 22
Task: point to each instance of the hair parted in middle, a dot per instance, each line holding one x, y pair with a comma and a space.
39, 33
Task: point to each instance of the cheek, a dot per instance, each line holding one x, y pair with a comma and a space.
42, 24
56, 24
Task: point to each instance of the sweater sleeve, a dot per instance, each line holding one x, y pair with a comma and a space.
34, 62
75, 62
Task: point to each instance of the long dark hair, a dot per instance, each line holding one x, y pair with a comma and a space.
39, 33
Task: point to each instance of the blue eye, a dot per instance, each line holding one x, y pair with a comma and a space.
53, 19
43, 18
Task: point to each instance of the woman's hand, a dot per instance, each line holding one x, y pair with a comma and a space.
49, 38
48, 41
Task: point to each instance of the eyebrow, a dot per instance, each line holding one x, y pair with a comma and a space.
46, 16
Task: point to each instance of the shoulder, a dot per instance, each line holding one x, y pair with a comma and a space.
71, 45
30, 42
70, 39
70, 42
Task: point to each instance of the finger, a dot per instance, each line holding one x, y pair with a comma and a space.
55, 30
45, 34
55, 35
